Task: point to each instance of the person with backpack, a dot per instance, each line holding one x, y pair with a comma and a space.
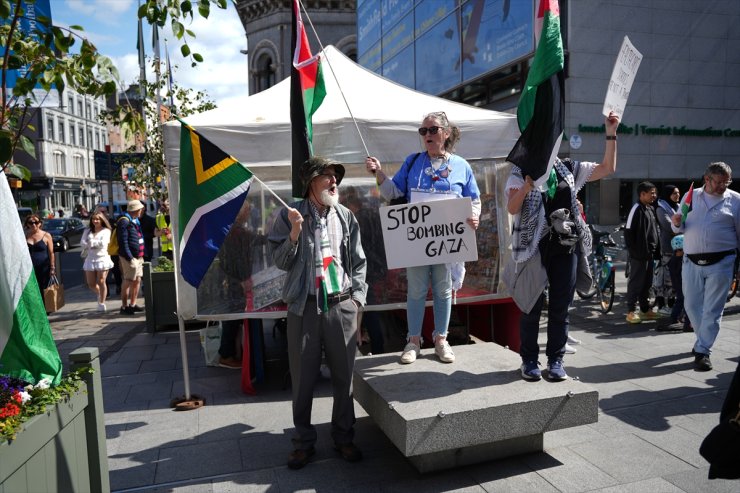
422, 177
130, 256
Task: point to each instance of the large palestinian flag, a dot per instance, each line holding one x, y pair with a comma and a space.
540, 112
307, 91
27, 348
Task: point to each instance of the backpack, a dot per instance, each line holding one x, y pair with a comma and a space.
113, 245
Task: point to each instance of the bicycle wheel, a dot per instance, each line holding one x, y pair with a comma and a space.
587, 296
606, 295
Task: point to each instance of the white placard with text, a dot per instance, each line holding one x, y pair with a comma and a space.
623, 75
428, 233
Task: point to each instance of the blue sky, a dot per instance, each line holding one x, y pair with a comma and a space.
112, 25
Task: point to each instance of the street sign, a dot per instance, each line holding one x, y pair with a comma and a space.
117, 160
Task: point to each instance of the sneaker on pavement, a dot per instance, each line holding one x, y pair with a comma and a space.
410, 353
300, 457
569, 349
573, 340
665, 312
531, 370
444, 352
702, 362
556, 371
650, 315
101, 307
136, 308
126, 310
633, 318
669, 326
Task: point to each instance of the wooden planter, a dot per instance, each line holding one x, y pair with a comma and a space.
160, 298
64, 448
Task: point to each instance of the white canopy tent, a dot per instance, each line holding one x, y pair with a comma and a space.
387, 114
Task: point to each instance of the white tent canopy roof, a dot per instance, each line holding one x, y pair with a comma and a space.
387, 115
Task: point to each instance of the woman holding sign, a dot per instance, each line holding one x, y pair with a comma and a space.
547, 227
430, 175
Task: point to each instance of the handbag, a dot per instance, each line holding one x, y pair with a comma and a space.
721, 448
53, 295
210, 341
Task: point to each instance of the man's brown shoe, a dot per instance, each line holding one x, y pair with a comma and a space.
300, 457
349, 452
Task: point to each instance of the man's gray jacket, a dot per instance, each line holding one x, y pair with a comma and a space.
298, 260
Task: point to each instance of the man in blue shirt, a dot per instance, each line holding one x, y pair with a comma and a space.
130, 256
711, 239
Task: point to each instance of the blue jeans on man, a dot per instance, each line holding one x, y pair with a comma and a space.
705, 290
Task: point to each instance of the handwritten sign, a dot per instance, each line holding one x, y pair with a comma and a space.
623, 75
428, 233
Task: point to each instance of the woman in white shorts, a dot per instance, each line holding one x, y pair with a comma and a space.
94, 242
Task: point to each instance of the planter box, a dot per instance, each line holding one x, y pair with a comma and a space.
64, 448
160, 299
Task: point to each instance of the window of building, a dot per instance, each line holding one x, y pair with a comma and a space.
61, 131
78, 165
88, 113
82, 136
264, 77
89, 138
60, 169
72, 134
97, 140
71, 105
50, 128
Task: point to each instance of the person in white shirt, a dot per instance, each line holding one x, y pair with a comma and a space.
94, 243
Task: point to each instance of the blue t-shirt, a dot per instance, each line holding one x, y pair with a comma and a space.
454, 175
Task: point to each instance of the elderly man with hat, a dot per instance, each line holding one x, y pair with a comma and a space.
317, 241
130, 256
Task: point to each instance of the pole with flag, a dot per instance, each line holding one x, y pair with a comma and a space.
540, 113
686, 203
307, 92
27, 348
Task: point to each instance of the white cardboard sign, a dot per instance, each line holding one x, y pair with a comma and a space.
623, 75
427, 233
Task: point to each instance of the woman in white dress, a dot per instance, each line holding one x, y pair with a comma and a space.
94, 242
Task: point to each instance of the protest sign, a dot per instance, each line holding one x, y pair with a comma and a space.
428, 233
623, 75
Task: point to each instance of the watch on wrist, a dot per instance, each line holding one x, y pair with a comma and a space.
611, 137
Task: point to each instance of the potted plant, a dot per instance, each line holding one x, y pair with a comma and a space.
160, 300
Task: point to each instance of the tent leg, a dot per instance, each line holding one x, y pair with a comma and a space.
188, 402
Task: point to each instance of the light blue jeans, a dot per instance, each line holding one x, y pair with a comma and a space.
705, 293
418, 285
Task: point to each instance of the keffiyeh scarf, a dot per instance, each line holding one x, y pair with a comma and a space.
330, 275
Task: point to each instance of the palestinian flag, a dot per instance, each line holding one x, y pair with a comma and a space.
213, 186
541, 107
686, 203
307, 91
27, 348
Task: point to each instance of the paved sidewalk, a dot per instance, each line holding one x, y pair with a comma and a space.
654, 411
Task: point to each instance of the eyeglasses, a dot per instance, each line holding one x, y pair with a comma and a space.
722, 183
432, 130
33, 222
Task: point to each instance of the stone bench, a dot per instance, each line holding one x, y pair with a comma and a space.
477, 409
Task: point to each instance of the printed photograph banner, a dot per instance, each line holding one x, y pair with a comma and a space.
428, 233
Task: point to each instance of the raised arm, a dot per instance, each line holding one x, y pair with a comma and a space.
609, 163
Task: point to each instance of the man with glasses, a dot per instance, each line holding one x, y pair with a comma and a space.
317, 241
711, 239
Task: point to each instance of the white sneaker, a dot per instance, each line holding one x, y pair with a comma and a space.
665, 311
410, 353
573, 340
101, 307
444, 351
569, 349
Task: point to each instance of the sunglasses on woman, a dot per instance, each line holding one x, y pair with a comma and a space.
431, 130
33, 222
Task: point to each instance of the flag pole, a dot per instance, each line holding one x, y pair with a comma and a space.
271, 191
189, 401
331, 69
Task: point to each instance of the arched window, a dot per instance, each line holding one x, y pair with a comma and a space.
60, 167
264, 75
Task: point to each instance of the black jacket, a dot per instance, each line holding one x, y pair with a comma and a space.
642, 233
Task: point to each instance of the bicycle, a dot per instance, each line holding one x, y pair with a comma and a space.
602, 270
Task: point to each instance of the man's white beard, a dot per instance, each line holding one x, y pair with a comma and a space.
329, 200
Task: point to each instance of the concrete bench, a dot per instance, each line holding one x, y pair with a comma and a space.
442, 416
